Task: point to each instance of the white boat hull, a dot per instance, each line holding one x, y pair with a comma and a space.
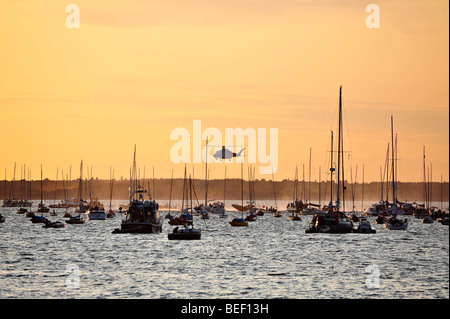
96, 216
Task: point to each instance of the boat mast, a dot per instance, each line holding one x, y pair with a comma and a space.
339, 150
242, 189
424, 181
394, 199
331, 171
42, 202
274, 193
206, 173
170, 195
309, 177
224, 189
362, 191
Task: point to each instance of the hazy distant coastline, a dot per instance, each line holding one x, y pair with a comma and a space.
410, 191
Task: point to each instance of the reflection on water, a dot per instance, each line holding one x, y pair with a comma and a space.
272, 258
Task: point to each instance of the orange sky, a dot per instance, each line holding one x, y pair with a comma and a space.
135, 70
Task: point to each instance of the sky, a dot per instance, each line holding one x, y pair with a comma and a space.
135, 71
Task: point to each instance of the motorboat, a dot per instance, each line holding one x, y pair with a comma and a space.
142, 215
380, 219
443, 221
110, 214
427, 220
2, 218
333, 223
55, 224
294, 217
38, 219
182, 220
364, 227
21, 210
277, 214
75, 220
96, 213
396, 224
185, 234
250, 217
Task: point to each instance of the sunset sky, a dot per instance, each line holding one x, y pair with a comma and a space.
135, 70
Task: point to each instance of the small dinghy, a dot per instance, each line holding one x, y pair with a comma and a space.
185, 234
251, 218
380, 219
427, 220
75, 220
38, 219
56, 224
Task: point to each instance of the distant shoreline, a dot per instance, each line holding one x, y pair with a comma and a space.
409, 191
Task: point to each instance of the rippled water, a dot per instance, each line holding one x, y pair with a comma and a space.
272, 258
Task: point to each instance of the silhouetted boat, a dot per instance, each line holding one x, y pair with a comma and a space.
364, 227
185, 234
55, 224
334, 221
240, 221
143, 215
393, 223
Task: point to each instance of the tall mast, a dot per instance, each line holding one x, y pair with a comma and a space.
206, 173
242, 188
394, 199
41, 187
339, 149
170, 195
224, 188
424, 180
309, 177
362, 191
331, 171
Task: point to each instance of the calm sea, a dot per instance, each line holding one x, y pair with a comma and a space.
272, 258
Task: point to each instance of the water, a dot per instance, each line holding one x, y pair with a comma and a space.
272, 258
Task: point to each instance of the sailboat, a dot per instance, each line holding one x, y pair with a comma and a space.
221, 209
96, 210
394, 223
143, 215
186, 212
41, 209
186, 233
110, 213
295, 206
76, 219
240, 221
335, 221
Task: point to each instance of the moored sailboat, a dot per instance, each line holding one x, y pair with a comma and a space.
393, 223
334, 221
239, 222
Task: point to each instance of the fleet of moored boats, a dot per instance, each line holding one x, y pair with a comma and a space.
142, 214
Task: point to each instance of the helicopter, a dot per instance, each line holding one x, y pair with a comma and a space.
225, 153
